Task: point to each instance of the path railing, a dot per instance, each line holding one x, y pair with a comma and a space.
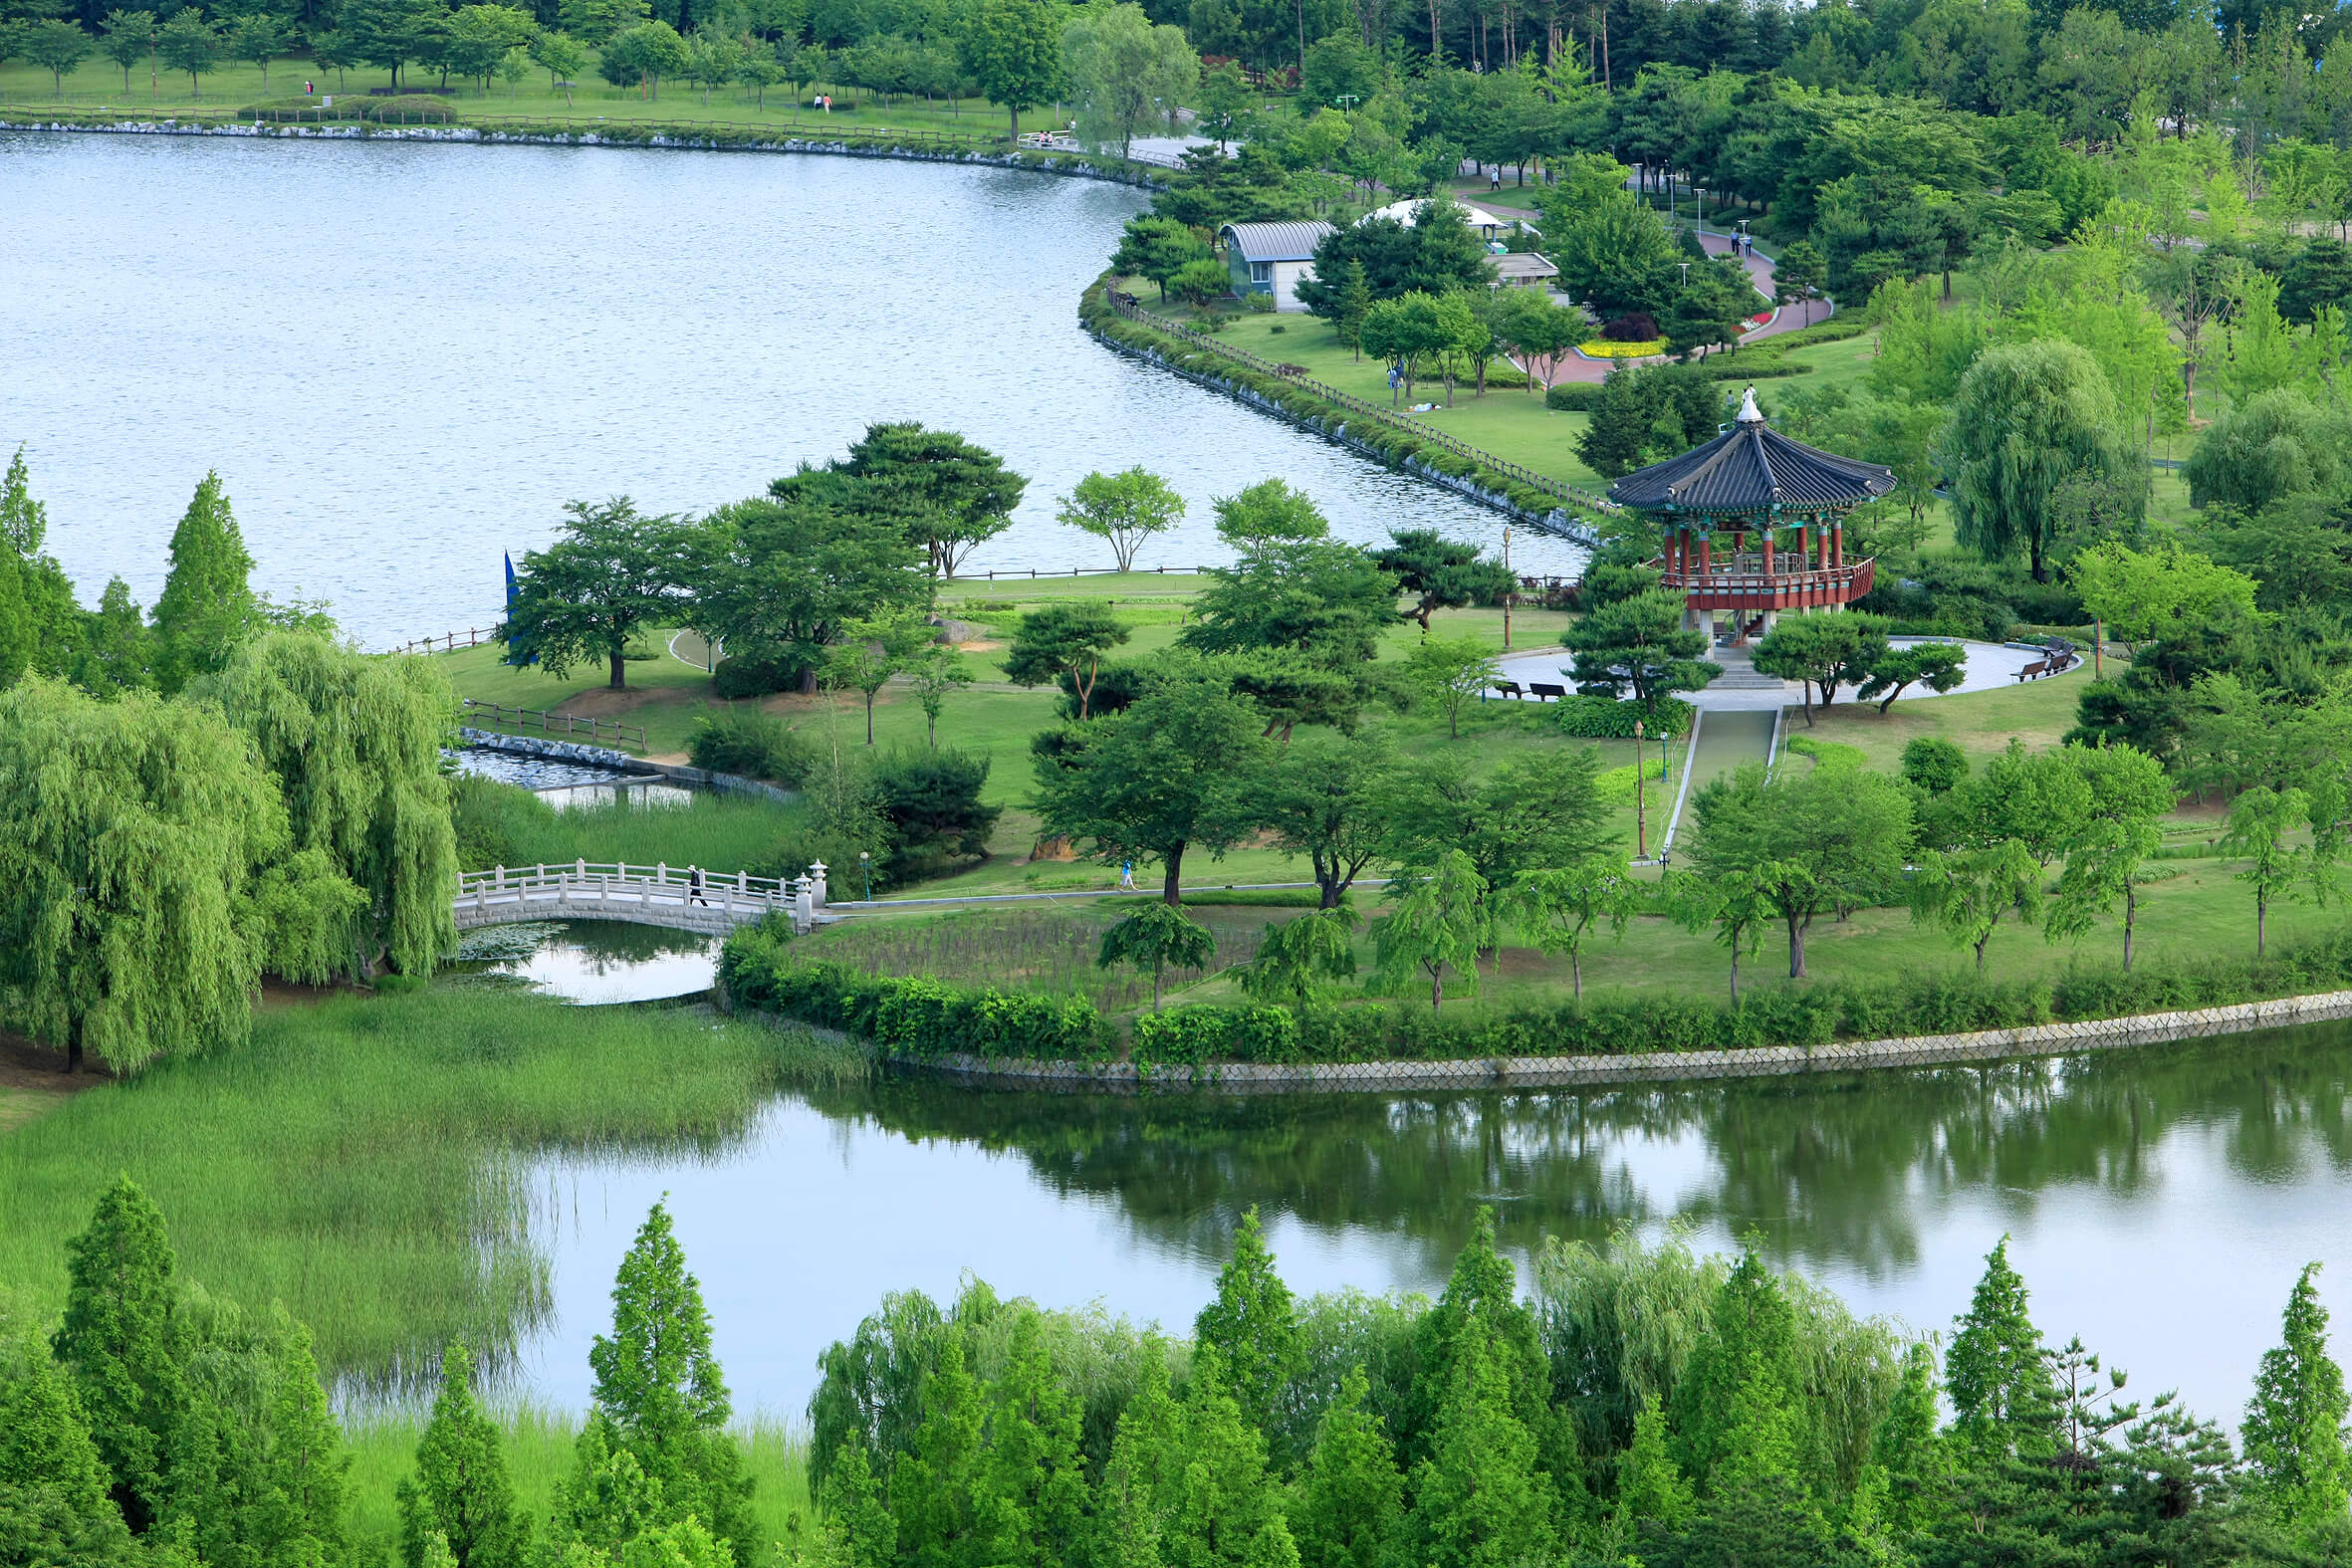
635, 891
1572, 495
496, 716
448, 641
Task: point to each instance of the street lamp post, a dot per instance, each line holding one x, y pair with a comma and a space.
1507, 593
1641, 828
866, 863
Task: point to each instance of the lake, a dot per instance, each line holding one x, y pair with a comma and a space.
403, 359
2161, 1200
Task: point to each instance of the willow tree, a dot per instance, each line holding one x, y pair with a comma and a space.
356, 744
2030, 418
130, 836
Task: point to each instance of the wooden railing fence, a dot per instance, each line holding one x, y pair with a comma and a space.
496, 716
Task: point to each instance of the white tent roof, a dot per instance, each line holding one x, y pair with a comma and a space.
1477, 217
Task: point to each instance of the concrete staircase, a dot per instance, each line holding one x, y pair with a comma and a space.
1738, 675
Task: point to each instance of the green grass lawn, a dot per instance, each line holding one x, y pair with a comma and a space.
98, 82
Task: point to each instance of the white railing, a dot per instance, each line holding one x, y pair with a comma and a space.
639, 890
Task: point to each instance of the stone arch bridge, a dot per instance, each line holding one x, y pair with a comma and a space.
654, 895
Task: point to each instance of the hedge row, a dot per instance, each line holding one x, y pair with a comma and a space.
914, 1016
924, 1020
1394, 446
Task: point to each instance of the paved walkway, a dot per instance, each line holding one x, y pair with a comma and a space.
1990, 666
1761, 270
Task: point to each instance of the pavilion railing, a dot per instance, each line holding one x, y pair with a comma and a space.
1850, 581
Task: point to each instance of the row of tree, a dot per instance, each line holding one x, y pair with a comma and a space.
1644, 1404
161, 1426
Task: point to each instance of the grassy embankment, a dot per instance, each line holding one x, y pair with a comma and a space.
99, 82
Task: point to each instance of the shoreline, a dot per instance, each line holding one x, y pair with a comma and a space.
1532, 1072
907, 147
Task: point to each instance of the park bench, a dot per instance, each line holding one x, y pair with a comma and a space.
1540, 692
2039, 667
1509, 689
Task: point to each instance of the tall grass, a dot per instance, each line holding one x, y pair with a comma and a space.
363, 1159
505, 825
539, 1453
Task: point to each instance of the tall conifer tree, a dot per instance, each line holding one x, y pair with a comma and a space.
1253, 1323
1480, 1502
661, 1388
121, 1344
1351, 1498
208, 606
1996, 1373
461, 1492
2294, 1424
1737, 1407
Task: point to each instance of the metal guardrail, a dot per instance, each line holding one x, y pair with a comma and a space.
496, 716
1574, 495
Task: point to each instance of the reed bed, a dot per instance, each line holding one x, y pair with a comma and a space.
1035, 949
366, 1160
539, 1445
505, 825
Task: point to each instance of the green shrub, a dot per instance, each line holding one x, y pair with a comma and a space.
752, 744
1575, 396
756, 677
411, 108
1607, 719
1191, 1036
918, 1016
932, 802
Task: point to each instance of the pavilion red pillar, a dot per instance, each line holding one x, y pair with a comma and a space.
1837, 544
1768, 551
1705, 555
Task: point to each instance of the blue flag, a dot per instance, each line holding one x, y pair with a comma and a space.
516, 652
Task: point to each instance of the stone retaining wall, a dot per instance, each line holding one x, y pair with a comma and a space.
2046, 1039
1557, 522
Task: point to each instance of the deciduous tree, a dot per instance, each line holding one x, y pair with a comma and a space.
614, 574
1157, 935
1012, 50
2030, 417
1451, 671
1123, 509
1968, 892
1440, 923
1558, 908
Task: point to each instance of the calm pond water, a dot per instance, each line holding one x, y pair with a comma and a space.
595, 963
2160, 1200
403, 359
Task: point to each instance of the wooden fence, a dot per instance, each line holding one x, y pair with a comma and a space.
496, 716
1574, 496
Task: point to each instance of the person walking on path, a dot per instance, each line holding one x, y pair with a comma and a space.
694, 886
1126, 877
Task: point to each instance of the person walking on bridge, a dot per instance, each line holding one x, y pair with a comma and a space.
694, 886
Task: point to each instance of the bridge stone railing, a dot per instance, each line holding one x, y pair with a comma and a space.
655, 895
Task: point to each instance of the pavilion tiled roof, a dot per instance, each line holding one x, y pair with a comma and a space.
1753, 468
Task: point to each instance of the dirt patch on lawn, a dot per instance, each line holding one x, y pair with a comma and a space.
34, 1082
603, 702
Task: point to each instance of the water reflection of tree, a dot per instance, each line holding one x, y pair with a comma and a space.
1842, 1172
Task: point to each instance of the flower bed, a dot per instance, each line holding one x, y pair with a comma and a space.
1603, 349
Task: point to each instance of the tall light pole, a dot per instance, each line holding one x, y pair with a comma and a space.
1508, 593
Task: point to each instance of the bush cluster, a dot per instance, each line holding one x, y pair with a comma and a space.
1608, 719
914, 1016
752, 744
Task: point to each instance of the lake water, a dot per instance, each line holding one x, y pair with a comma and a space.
2160, 1200
403, 359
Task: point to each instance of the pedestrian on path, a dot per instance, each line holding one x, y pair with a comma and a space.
1126, 877
694, 886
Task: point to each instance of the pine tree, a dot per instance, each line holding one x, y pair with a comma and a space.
1130, 1506
1356, 301
661, 1388
1352, 1497
1031, 1485
931, 1485
461, 1491
1480, 1502
2295, 1424
1909, 1455
1650, 1485
1220, 1497
307, 1464
858, 1522
206, 608
605, 1503
121, 1344
1253, 1323
117, 653
1737, 1407
1994, 1373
